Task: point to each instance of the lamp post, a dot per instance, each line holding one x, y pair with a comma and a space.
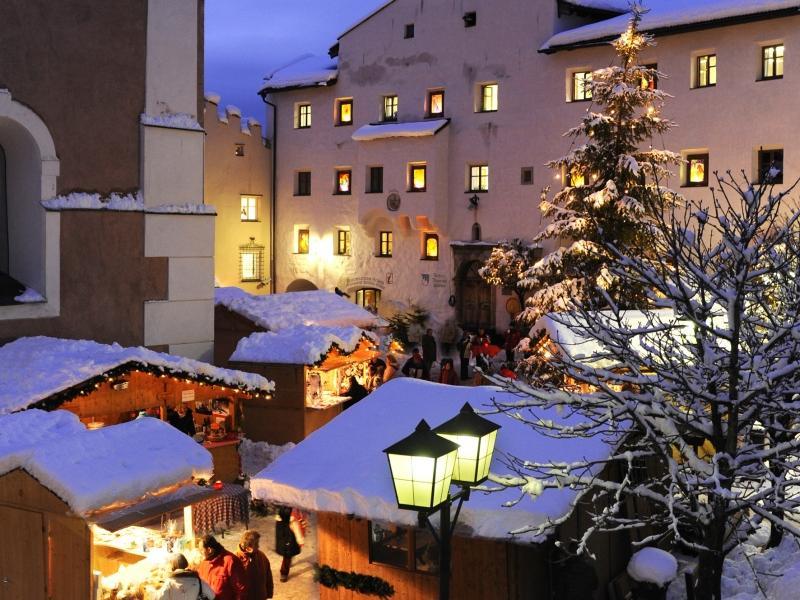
424, 464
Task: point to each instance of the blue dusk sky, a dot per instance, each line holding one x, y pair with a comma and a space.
247, 39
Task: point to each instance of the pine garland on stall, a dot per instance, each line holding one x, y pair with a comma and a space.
611, 185
363, 584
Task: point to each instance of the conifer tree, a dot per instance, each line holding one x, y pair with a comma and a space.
611, 178
507, 265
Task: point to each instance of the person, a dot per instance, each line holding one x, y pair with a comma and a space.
391, 368
289, 537
464, 353
356, 391
415, 366
448, 373
183, 583
428, 349
507, 372
257, 572
512, 339
221, 570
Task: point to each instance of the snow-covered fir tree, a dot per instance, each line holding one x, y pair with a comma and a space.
611, 187
705, 384
507, 265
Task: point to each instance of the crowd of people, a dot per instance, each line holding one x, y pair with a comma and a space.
243, 575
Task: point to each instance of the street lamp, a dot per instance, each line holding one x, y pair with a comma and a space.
424, 464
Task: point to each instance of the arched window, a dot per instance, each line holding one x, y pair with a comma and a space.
369, 298
476, 232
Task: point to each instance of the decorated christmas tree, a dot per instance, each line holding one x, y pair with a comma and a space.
507, 265
612, 183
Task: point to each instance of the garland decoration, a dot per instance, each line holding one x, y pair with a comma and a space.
363, 584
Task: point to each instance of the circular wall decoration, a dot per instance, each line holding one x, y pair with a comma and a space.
393, 201
513, 307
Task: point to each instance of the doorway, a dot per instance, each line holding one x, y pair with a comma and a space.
475, 299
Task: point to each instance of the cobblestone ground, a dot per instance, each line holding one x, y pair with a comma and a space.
301, 585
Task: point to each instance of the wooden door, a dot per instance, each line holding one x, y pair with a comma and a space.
476, 300
22, 566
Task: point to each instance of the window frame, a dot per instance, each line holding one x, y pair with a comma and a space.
298, 237
774, 59
385, 244
246, 210
300, 189
256, 251
238, 150
709, 67
408, 31
412, 167
430, 235
360, 295
345, 241
299, 123
481, 177
341, 102
585, 80
410, 534
337, 182
371, 187
390, 101
523, 171
470, 19
482, 97
687, 182
762, 179
429, 112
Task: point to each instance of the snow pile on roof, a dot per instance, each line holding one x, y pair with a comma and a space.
306, 71
233, 111
29, 296
172, 120
299, 345
212, 97
90, 470
664, 14
35, 368
341, 467
122, 202
653, 565
618, 6
382, 131
256, 456
279, 311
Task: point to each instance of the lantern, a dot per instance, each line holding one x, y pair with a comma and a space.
475, 437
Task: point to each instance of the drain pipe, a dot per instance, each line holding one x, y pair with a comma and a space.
273, 200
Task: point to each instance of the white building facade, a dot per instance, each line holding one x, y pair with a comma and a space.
401, 161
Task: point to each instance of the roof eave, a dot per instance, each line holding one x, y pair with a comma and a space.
320, 84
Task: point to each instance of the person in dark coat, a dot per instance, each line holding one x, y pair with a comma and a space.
512, 339
356, 391
464, 353
428, 349
448, 373
287, 543
257, 572
415, 366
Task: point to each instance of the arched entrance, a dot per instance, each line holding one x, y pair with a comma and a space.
301, 285
475, 298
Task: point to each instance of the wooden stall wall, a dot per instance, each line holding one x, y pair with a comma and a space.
50, 556
482, 569
229, 328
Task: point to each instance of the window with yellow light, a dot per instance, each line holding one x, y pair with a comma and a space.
418, 178
431, 246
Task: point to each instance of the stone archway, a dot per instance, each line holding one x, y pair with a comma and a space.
474, 298
301, 285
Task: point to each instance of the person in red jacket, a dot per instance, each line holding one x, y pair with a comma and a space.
257, 572
221, 570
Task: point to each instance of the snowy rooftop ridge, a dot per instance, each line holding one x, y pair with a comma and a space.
618, 6
90, 470
279, 311
33, 369
668, 14
300, 345
306, 71
378, 131
350, 473
124, 203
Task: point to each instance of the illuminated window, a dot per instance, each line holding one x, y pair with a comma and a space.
251, 261
375, 180
650, 81
249, 208
344, 112
479, 178
772, 62
488, 101
575, 179
385, 242
408, 31
526, 176
770, 166
303, 116
343, 181
343, 242
436, 103
581, 86
303, 241
369, 298
706, 70
696, 170
417, 177
431, 246
303, 183
238, 149
390, 108
404, 547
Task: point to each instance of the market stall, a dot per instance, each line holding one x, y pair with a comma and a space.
312, 366
108, 384
95, 513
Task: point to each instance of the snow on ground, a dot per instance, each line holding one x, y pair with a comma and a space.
389, 130
666, 14
122, 202
299, 345
29, 296
342, 468
279, 311
93, 469
172, 120
257, 456
305, 71
34, 368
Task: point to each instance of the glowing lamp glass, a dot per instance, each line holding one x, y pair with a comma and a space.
476, 438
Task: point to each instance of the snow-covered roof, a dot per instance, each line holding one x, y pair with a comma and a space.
380, 131
307, 71
668, 14
91, 470
299, 345
33, 369
341, 467
279, 311
617, 6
